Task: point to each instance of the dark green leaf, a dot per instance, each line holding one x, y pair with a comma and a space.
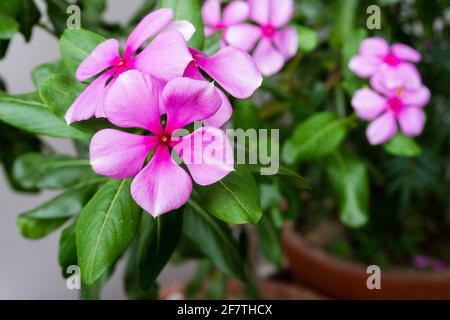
67, 255
45, 71
105, 228
269, 241
8, 27
403, 146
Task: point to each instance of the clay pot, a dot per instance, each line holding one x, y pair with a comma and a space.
312, 267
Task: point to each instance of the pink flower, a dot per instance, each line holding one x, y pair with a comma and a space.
390, 65
165, 58
161, 185
234, 70
401, 104
277, 44
234, 13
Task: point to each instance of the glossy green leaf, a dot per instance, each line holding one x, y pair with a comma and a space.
67, 254
35, 118
269, 241
314, 138
35, 170
105, 228
349, 179
45, 71
189, 10
213, 238
157, 241
8, 27
403, 146
234, 199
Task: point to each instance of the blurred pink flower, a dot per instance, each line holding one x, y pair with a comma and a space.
234, 70
165, 58
162, 185
388, 107
278, 42
392, 66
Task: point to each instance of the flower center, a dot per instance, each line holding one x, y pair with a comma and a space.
392, 60
121, 63
395, 104
164, 139
268, 31
220, 26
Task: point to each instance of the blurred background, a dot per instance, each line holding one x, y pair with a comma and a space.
29, 269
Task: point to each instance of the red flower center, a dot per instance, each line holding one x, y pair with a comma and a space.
268, 31
395, 104
220, 26
165, 139
392, 60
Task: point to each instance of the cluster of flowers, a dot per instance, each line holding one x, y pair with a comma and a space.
260, 26
397, 93
159, 88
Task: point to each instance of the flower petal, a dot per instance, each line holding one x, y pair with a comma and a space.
90, 101
286, 41
223, 114
118, 154
260, 11
368, 104
243, 36
132, 102
236, 12
268, 59
211, 13
281, 12
389, 78
187, 100
364, 66
412, 121
103, 56
166, 57
374, 46
234, 70
147, 28
418, 98
382, 129
162, 186
406, 53
186, 28
208, 154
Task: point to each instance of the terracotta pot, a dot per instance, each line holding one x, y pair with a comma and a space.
269, 289
340, 279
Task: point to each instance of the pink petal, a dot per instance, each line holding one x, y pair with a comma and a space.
147, 28
243, 36
118, 154
211, 13
103, 56
281, 12
187, 101
364, 66
419, 98
260, 11
382, 129
391, 78
193, 72
410, 76
208, 154
287, 42
375, 46
132, 102
368, 104
166, 57
186, 28
223, 114
268, 59
162, 186
210, 31
406, 53
90, 101
412, 121
236, 12
234, 70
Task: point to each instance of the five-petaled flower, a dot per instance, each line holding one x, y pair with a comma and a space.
165, 58
162, 185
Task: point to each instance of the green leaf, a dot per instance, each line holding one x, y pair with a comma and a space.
350, 181
314, 138
67, 255
189, 10
213, 238
157, 241
347, 11
24, 12
403, 146
308, 38
35, 118
8, 27
35, 170
284, 172
269, 241
45, 71
234, 199
48, 217
351, 81
213, 43
105, 228
75, 45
